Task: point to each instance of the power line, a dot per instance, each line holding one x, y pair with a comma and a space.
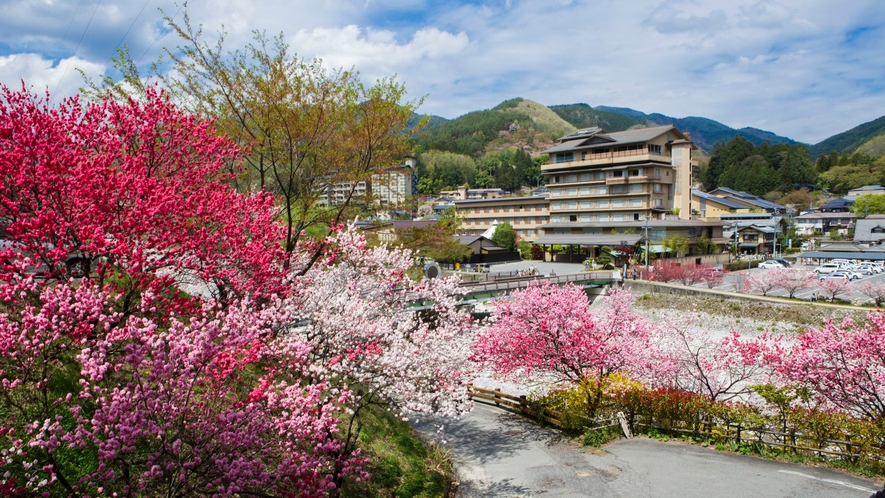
162, 32
75, 50
120, 43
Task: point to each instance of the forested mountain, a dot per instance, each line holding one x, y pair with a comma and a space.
854, 139
584, 116
491, 148
516, 122
758, 169
704, 132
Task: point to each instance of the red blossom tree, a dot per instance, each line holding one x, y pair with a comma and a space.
117, 382
135, 193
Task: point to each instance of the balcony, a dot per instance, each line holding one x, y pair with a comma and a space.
606, 158
614, 180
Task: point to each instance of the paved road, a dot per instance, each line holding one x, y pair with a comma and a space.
499, 454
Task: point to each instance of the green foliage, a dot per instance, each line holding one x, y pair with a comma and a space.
605, 256
470, 134
584, 116
525, 249
758, 169
741, 265
599, 437
676, 245
400, 463
437, 241
869, 204
505, 237
444, 171
706, 246
849, 172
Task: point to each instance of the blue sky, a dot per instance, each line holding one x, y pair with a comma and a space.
805, 69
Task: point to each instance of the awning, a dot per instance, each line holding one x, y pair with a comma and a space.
657, 248
587, 240
749, 246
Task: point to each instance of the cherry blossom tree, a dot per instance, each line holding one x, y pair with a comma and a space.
832, 287
842, 364
720, 369
762, 282
100, 404
873, 290
691, 274
374, 332
793, 279
545, 329
712, 277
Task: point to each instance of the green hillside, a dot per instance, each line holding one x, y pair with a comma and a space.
584, 116
850, 141
514, 123
873, 147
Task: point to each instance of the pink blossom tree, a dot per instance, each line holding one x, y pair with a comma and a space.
793, 279
719, 369
550, 330
872, 290
762, 282
842, 365
101, 404
832, 287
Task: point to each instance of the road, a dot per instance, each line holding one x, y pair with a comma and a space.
500, 454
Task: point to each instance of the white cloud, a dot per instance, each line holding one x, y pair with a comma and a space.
40, 74
376, 52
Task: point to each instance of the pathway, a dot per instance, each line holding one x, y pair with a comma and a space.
500, 454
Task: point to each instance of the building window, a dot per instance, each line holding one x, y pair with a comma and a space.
573, 217
654, 149
635, 188
636, 216
618, 217
603, 204
635, 202
659, 203
600, 175
658, 188
619, 203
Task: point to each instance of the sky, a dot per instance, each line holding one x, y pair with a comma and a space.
805, 69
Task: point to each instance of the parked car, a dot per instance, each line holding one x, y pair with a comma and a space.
770, 264
864, 270
843, 275
783, 262
826, 268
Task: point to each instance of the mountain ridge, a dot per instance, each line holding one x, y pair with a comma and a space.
705, 132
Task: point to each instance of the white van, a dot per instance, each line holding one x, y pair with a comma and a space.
827, 268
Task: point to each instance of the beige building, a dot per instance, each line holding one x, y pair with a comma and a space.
594, 176
388, 188
525, 215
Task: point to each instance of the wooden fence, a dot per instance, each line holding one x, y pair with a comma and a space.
825, 448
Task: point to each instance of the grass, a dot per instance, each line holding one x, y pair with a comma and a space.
401, 464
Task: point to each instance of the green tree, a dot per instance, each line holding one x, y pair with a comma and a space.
448, 169
304, 127
505, 237
869, 204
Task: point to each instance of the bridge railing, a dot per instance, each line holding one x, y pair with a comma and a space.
519, 283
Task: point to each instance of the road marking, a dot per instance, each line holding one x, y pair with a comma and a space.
831, 481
